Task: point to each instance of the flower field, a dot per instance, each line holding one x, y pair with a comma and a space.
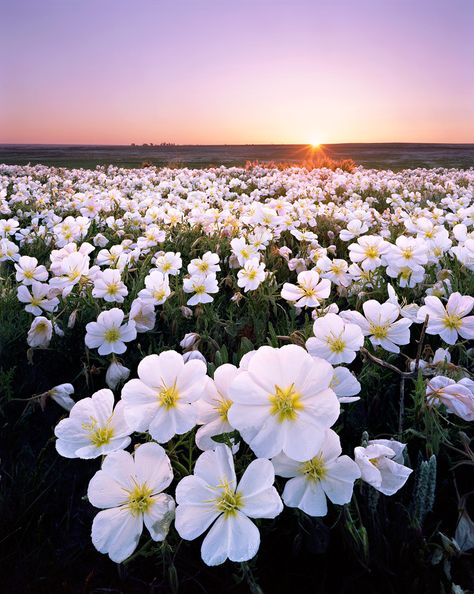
253, 379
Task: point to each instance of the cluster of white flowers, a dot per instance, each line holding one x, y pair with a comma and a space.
281, 403
327, 244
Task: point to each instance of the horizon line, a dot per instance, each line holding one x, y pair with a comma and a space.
171, 145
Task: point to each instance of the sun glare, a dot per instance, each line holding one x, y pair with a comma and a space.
315, 145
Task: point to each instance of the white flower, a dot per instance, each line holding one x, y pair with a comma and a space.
143, 314
93, 428
251, 275
451, 321
309, 291
380, 465
201, 286
214, 406
116, 374
161, 400
129, 490
211, 496
108, 285
157, 288
335, 340
208, 264
108, 334
327, 474
282, 402
368, 251
243, 251
40, 333
355, 227
169, 263
38, 300
27, 271
457, 397
380, 324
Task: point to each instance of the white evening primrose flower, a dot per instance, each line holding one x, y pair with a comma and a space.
109, 334
93, 428
327, 475
450, 321
335, 340
208, 264
212, 497
38, 300
309, 290
368, 251
355, 227
128, 489
40, 333
243, 251
28, 270
143, 314
381, 465
213, 407
157, 288
161, 400
457, 397
381, 325
251, 275
283, 402
169, 263
202, 286
108, 285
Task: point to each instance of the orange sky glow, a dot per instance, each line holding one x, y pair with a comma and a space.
211, 72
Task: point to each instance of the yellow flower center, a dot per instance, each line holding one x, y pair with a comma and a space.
229, 501
371, 251
223, 408
168, 397
336, 344
112, 335
98, 436
407, 253
285, 403
245, 253
140, 500
379, 331
308, 291
35, 301
203, 266
252, 274
159, 294
113, 288
452, 321
199, 289
314, 469
27, 273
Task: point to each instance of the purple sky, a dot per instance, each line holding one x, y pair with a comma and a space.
236, 71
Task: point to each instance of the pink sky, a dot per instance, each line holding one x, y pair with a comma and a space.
236, 71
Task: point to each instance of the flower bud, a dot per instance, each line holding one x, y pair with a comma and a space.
189, 340
186, 312
116, 374
194, 355
62, 395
